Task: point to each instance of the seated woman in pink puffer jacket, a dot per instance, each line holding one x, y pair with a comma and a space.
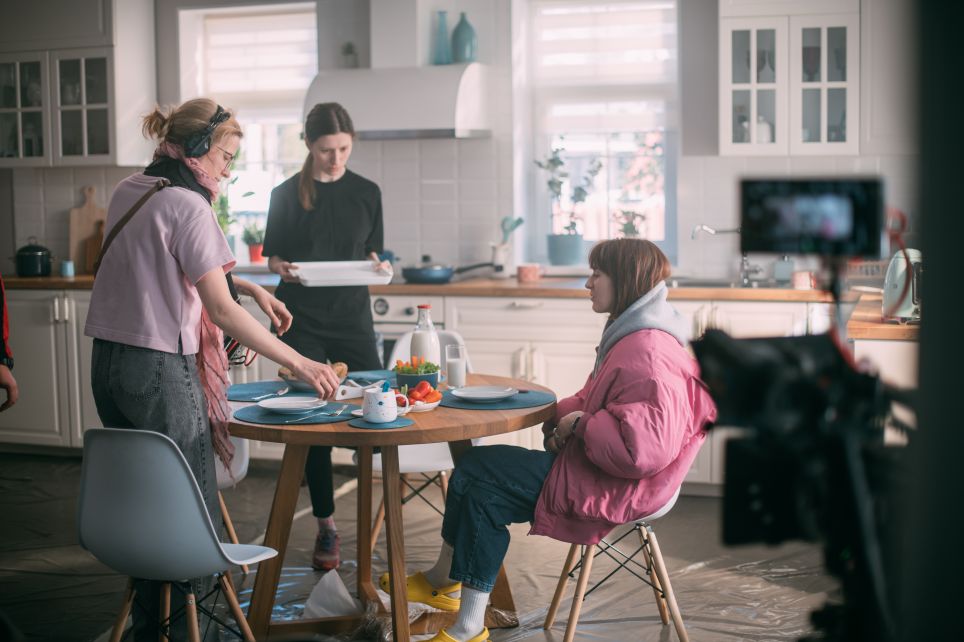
616, 451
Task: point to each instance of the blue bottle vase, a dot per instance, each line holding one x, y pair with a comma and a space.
465, 45
443, 52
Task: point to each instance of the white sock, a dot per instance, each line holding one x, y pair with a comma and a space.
326, 523
438, 575
471, 618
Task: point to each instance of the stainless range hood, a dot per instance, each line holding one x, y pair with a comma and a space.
436, 101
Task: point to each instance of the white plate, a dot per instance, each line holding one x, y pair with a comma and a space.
328, 273
358, 412
292, 405
484, 394
421, 406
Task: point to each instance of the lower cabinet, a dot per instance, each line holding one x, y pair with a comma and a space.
52, 368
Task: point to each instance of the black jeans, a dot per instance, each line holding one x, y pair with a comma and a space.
147, 389
492, 487
355, 347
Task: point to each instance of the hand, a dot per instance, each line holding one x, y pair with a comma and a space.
565, 428
8, 383
275, 309
320, 375
385, 267
279, 266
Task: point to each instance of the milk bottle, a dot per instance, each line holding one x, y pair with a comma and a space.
425, 342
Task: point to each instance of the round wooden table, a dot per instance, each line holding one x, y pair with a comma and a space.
455, 426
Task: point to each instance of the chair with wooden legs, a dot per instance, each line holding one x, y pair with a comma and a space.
652, 568
142, 514
230, 479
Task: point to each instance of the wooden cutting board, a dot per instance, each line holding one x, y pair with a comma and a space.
84, 224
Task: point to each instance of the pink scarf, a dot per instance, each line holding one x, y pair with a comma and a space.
212, 361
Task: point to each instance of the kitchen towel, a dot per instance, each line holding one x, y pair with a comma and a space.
522, 399
257, 415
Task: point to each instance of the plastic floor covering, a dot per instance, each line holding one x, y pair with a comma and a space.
51, 589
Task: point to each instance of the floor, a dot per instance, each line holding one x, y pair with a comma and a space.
51, 589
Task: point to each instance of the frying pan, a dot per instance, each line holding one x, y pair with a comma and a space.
436, 273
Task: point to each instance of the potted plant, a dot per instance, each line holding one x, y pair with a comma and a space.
630, 223
225, 218
567, 248
349, 56
254, 239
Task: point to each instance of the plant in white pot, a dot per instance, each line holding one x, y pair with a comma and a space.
567, 247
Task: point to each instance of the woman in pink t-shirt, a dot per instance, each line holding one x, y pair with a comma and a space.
161, 301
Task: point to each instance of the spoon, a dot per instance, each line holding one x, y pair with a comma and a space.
278, 392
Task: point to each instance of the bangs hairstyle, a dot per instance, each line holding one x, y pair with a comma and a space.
324, 119
635, 266
175, 125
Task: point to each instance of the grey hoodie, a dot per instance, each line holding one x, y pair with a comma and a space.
650, 311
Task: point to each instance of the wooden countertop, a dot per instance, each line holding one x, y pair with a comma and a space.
866, 323
549, 287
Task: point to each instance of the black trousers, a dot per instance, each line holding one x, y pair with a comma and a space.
354, 346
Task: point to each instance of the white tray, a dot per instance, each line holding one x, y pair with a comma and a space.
329, 273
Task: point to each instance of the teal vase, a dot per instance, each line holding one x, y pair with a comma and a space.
443, 52
464, 43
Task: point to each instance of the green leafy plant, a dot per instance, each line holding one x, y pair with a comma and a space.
424, 367
629, 222
348, 49
222, 206
555, 166
253, 235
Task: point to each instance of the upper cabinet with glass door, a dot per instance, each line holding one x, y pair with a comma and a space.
753, 86
81, 114
824, 77
24, 129
789, 77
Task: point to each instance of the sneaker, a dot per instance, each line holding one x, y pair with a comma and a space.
327, 549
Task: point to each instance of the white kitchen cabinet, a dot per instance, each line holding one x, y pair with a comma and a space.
84, 414
24, 106
81, 106
41, 340
789, 78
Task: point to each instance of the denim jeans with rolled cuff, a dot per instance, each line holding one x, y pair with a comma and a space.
492, 487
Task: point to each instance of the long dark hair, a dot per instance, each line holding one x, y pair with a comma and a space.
324, 119
634, 265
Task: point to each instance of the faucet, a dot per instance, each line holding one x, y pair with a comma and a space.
746, 268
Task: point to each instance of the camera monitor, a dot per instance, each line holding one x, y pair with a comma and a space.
830, 217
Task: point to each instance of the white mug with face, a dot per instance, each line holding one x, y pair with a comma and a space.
379, 407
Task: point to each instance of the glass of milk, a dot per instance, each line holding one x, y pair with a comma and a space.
455, 365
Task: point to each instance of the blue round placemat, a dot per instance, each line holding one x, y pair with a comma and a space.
249, 391
258, 415
401, 422
522, 399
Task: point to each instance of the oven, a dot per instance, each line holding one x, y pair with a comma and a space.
394, 315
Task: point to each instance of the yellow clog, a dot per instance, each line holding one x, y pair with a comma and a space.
420, 590
442, 636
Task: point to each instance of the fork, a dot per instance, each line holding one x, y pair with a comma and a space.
278, 393
323, 413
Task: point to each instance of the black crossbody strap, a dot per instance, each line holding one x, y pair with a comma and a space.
158, 186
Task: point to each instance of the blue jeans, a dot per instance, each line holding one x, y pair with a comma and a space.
492, 487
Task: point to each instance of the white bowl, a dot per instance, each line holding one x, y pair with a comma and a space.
421, 406
292, 405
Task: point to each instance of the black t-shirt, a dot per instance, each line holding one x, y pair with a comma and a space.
344, 225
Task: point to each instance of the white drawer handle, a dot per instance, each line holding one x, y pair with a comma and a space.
518, 305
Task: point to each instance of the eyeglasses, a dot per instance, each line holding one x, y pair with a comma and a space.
229, 157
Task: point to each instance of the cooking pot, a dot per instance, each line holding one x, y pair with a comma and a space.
33, 259
436, 273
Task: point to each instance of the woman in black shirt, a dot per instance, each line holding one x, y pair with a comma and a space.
326, 213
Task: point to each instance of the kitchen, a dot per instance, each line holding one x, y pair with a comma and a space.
446, 196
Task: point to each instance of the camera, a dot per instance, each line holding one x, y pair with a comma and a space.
812, 465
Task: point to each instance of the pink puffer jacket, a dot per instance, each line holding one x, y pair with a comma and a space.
645, 417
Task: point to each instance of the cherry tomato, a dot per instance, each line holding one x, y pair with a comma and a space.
423, 387
400, 400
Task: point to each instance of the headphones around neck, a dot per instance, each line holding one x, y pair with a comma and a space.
199, 144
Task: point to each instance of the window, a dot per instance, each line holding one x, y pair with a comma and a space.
257, 60
603, 81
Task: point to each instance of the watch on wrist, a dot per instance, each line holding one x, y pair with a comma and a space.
6, 361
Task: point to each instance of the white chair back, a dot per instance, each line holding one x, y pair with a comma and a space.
140, 509
239, 464
403, 348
